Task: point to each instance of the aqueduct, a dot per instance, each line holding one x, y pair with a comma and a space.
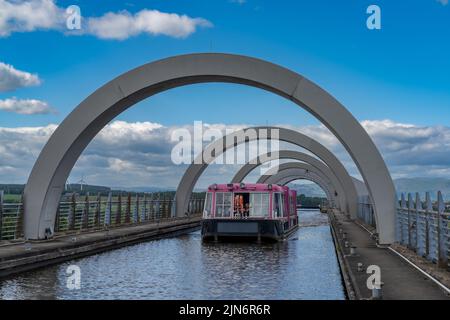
219, 146
59, 155
286, 176
309, 172
300, 156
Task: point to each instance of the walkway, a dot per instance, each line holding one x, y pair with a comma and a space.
401, 280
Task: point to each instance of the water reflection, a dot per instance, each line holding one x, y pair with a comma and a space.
304, 267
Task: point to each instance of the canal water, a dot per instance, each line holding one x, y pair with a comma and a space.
304, 267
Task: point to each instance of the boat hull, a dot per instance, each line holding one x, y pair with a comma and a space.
245, 230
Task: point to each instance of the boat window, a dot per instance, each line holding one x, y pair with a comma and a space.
277, 205
223, 204
259, 204
208, 205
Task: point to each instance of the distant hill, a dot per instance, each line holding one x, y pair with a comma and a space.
144, 189
309, 190
403, 185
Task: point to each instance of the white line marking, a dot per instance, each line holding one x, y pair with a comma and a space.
422, 271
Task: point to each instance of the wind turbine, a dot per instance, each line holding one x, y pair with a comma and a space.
81, 182
67, 185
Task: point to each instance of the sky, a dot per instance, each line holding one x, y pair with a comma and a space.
395, 80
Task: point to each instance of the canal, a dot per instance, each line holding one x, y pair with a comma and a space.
304, 267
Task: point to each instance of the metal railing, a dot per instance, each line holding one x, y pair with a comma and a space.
88, 213
365, 210
424, 227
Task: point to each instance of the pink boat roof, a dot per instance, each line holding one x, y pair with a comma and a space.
246, 187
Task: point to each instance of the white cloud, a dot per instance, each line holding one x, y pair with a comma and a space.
19, 148
25, 106
12, 79
32, 15
139, 153
26, 16
123, 25
443, 2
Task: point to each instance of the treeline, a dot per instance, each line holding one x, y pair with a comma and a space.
305, 201
12, 188
13, 192
18, 189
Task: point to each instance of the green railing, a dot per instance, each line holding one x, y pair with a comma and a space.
87, 213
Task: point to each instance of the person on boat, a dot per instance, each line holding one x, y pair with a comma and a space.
236, 206
247, 210
241, 205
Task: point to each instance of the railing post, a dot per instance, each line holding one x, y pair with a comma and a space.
157, 208
19, 222
164, 206
128, 209
410, 224
169, 207
144, 209
108, 210
136, 209
173, 212
442, 248
2, 195
58, 217
419, 243
428, 212
151, 212
400, 218
73, 208
85, 214
98, 209
119, 210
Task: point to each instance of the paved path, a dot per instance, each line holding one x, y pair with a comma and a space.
401, 280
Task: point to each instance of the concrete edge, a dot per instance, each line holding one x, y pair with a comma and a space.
351, 290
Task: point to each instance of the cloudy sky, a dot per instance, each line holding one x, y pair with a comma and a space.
396, 81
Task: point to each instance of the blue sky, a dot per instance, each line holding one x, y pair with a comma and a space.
399, 74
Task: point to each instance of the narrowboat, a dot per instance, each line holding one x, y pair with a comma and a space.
245, 211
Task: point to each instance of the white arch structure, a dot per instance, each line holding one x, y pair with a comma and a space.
59, 155
288, 175
309, 172
342, 197
219, 146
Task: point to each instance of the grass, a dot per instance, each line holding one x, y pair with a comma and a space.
12, 198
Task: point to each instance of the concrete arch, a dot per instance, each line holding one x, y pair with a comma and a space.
219, 146
286, 176
275, 175
59, 155
344, 198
